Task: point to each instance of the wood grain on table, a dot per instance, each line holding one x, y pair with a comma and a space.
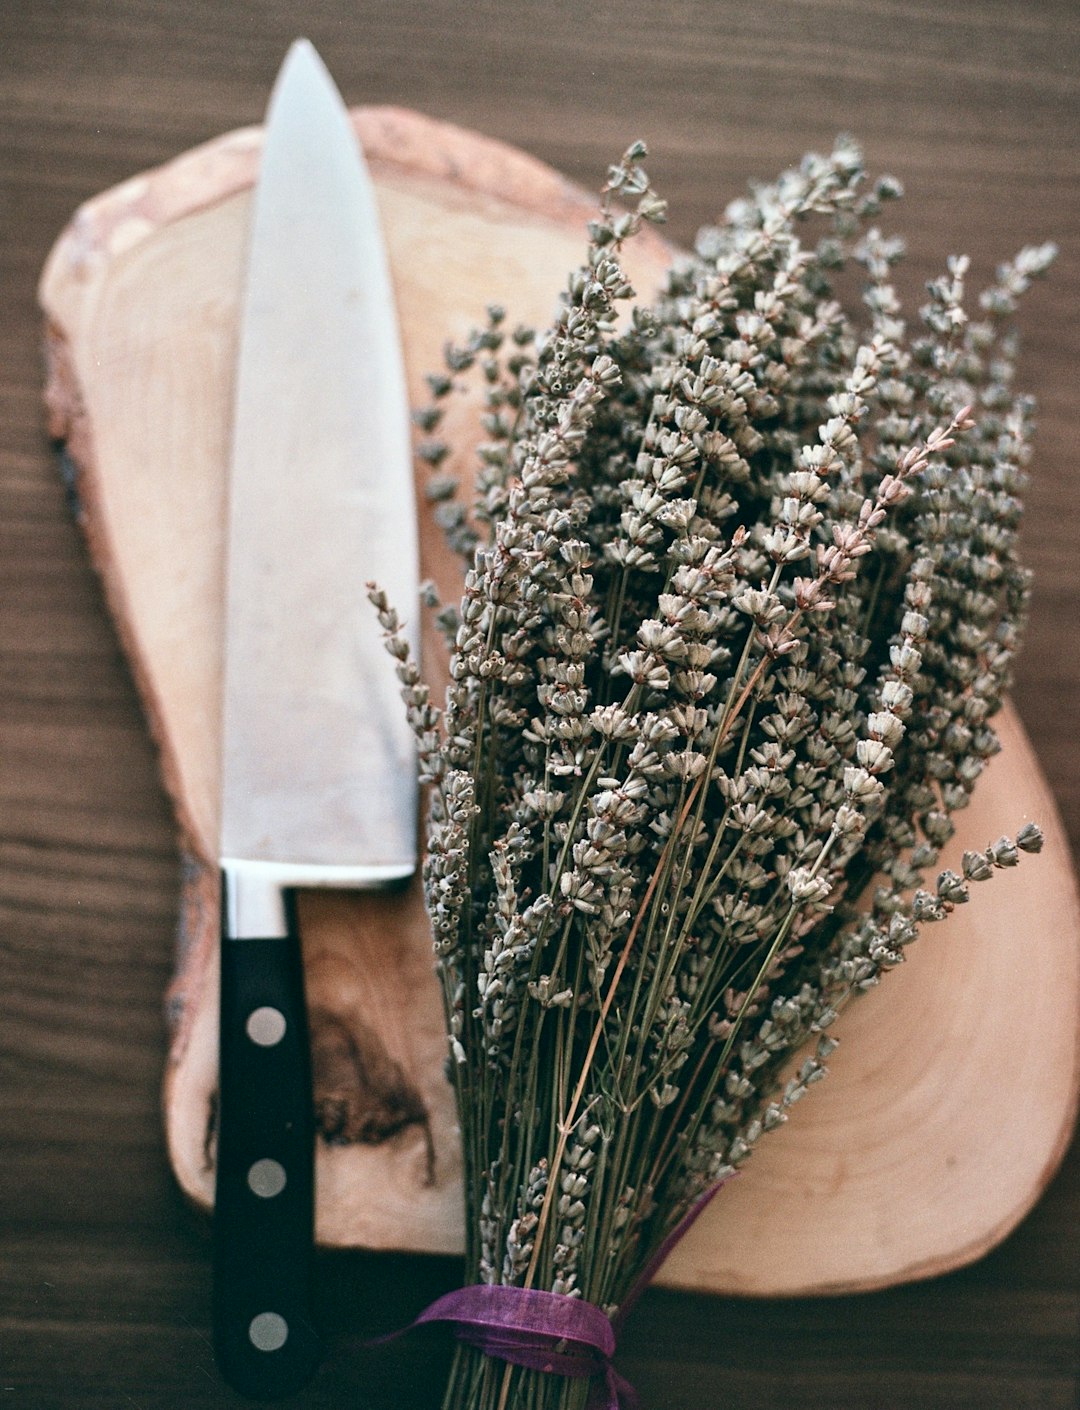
104, 1275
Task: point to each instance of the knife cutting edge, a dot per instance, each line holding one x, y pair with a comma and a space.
318, 773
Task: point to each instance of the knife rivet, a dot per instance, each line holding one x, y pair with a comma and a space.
266, 1026
268, 1331
266, 1178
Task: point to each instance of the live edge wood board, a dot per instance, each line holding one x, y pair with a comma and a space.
954, 1090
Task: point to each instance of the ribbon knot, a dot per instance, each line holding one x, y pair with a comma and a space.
543, 1331
553, 1332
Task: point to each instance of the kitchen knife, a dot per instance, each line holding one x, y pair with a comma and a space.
318, 771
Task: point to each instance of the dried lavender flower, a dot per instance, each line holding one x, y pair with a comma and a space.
741, 600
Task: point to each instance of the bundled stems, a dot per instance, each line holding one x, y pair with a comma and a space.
741, 600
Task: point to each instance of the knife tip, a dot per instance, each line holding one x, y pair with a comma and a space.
302, 62
300, 45
306, 81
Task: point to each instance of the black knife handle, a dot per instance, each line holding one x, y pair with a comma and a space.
265, 1340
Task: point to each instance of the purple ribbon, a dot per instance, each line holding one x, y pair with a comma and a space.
546, 1331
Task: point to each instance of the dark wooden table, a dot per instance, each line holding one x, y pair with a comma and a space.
104, 1275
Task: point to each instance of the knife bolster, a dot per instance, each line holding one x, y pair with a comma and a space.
254, 891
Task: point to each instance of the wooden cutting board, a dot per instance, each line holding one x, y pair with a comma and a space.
954, 1090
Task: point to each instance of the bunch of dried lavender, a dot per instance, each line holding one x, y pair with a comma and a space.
741, 601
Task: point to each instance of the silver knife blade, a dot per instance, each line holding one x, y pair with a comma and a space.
318, 767
318, 779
